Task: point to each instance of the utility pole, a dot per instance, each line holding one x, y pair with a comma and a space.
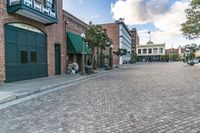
172, 52
149, 32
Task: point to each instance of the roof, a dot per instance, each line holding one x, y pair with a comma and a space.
126, 27
68, 15
152, 45
119, 22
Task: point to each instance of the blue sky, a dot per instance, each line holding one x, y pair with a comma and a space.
153, 15
97, 11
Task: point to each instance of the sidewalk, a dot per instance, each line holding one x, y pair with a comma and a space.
20, 89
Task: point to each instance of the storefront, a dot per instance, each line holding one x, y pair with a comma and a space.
25, 52
76, 48
31, 39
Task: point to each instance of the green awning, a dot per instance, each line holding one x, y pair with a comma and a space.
76, 44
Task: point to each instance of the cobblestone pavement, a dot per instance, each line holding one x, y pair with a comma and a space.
144, 98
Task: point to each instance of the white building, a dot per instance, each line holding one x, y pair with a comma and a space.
120, 35
124, 43
150, 52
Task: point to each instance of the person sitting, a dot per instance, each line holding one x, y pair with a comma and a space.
76, 67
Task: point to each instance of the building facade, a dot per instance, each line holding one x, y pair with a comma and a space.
74, 27
32, 44
150, 52
179, 51
119, 33
135, 40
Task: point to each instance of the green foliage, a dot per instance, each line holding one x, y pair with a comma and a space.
120, 52
163, 57
191, 28
174, 56
195, 2
190, 51
123, 52
96, 36
166, 56
134, 57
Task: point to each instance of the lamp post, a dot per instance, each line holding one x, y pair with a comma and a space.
83, 62
111, 56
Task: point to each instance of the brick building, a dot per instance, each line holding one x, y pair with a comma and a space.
135, 40
180, 51
119, 33
74, 27
32, 41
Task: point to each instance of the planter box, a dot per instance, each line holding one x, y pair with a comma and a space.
88, 69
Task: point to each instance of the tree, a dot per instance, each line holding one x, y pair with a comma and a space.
96, 38
120, 52
134, 57
190, 51
191, 28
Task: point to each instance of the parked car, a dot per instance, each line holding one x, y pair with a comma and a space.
195, 60
190, 62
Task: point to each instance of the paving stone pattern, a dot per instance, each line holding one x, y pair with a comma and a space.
144, 98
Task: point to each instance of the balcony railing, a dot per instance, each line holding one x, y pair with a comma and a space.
44, 7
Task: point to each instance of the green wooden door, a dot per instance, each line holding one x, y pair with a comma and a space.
57, 59
25, 54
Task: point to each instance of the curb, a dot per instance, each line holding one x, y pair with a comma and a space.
46, 88
7, 97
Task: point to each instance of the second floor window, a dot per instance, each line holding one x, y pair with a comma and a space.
150, 51
161, 50
139, 51
144, 51
155, 50
50, 4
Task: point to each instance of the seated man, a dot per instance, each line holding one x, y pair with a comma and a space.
76, 67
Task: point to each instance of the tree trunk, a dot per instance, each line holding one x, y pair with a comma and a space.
101, 58
93, 55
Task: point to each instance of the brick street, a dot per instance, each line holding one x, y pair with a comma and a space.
143, 98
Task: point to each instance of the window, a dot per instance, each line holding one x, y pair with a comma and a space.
144, 51
150, 51
50, 4
161, 50
155, 50
24, 57
33, 57
139, 51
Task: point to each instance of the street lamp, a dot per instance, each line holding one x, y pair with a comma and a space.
83, 62
111, 56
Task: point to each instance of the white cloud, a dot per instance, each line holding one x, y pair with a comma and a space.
139, 11
164, 37
95, 16
167, 20
80, 1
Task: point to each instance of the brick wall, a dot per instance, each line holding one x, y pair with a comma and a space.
112, 31
2, 55
75, 25
54, 35
135, 39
